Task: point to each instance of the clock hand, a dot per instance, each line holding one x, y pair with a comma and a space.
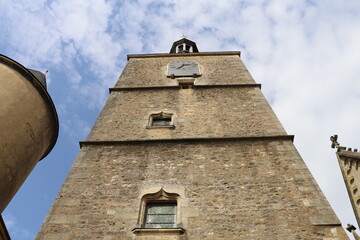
180, 66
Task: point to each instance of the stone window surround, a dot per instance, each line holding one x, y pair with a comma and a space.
160, 196
186, 83
161, 115
163, 212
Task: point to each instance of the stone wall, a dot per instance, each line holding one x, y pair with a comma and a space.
198, 112
234, 168
229, 190
218, 69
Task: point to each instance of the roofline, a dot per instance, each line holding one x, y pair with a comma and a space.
41, 90
153, 55
349, 154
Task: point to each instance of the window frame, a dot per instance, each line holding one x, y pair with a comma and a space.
186, 83
161, 115
161, 122
159, 197
146, 213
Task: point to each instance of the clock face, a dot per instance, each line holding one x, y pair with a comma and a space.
184, 65
183, 68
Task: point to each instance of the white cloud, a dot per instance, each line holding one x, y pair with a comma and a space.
74, 125
61, 33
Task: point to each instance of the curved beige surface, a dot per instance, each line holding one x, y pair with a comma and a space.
28, 126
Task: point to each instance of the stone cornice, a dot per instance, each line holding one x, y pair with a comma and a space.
250, 85
153, 55
349, 154
218, 139
158, 230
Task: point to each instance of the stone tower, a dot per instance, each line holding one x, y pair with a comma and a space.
187, 147
28, 127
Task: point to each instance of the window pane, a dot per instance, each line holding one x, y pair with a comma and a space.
161, 208
160, 215
160, 218
161, 122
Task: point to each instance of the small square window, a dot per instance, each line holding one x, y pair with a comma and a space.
160, 215
186, 85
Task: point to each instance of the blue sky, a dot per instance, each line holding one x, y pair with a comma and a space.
306, 55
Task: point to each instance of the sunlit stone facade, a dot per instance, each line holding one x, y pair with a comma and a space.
187, 147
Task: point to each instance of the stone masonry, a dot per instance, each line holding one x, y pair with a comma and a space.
232, 167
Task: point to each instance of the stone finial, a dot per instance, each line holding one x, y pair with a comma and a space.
335, 143
352, 229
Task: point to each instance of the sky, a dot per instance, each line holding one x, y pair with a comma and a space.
305, 53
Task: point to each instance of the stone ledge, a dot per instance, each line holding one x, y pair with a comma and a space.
183, 54
137, 141
158, 231
325, 220
169, 126
349, 154
246, 85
